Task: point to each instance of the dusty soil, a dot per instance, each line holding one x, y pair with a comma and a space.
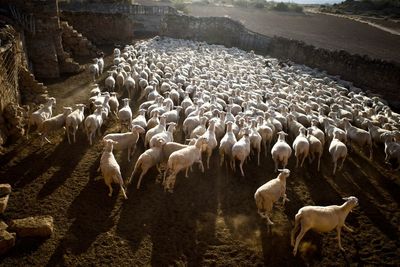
210, 219
325, 31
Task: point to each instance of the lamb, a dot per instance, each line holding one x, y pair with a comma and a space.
39, 116
281, 151
270, 192
53, 124
301, 147
73, 121
359, 136
392, 149
126, 140
110, 169
173, 115
226, 144
322, 219
181, 160
338, 151
151, 157
125, 115
100, 63
93, 123
266, 133
241, 150
130, 86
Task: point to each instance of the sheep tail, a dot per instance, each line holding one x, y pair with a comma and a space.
259, 202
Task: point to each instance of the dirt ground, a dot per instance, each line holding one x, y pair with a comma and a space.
210, 219
325, 31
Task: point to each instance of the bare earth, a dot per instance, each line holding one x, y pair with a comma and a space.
210, 220
325, 31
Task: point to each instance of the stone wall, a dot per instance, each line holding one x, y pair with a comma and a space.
75, 43
43, 39
119, 22
215, 30
101, 28
377, 76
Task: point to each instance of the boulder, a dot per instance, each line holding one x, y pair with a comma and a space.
5, 189
38, 226
3, 203
7, 241
3, 226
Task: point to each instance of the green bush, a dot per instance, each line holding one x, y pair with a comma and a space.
281, 7
240, 3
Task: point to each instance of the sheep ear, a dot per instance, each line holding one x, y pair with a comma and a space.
345, 198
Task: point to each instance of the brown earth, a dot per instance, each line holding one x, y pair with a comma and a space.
320, 30
210, 219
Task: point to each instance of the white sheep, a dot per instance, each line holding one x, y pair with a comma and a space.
161, 127
281, 151
140, 119
125, 115
114, 104
211, 141
53, 124
93, 123
110, 169
149, 158
94, 69
39, 116
270, 192
110, 81
241, 150
167, 136
358, 136
322, 219
226, 144
316, 148
338, 151
126, 140
74, 120
100, 63
183, 159
255, 140
301, 147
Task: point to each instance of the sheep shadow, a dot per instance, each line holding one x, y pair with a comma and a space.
180, 225
66, 163
91, 211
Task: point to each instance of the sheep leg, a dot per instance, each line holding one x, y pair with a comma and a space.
370, 152
297, 162
319, 160
74, 134
294, 231
285, 199
222, 157
144, 171
110, 189
276, 165
302, 160
201, 165
334, 167
265, 147
258, 161
129, 154
123, 191
208, 159
348, 228
341, 164
241, 167
298, 239
186, 172
339, 229
69, 140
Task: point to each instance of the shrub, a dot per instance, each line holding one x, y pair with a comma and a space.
181, 6
240, 3
281, 7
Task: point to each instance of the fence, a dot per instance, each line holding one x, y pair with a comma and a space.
9, 67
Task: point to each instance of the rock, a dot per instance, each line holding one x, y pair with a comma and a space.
5, 189
7, 241
3, 226
3, 203
39, 226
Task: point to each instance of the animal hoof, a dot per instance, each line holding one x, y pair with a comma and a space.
294, 252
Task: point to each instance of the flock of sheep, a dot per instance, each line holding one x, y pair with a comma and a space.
237, 103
